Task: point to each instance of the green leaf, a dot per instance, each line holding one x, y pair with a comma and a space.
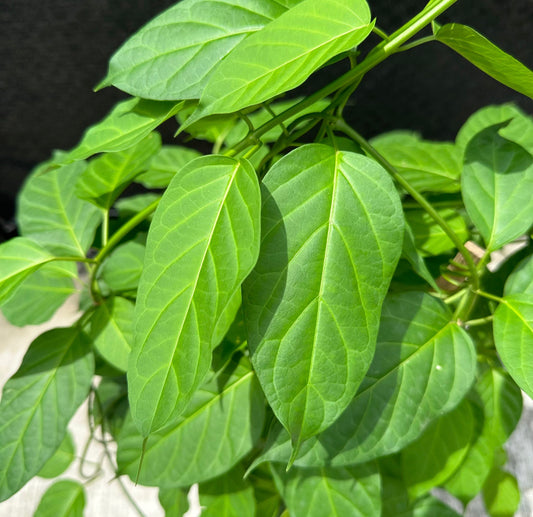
521, 279
174, 55
501, 494
61, 459
427, 166
486, 56
111, 331
127, 124
284, 54
436, 455
39, 295
108, 175
330, 492
267, 499
65, 498
332, 230
229, 495
203, 242
50, 213
174, 501
168, 161
501, 401
132, 205
430, 238
497, 183
38, 402
195, 449
111, 404
513, 336
122, 270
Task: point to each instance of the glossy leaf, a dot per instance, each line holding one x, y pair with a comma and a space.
194, 449
411, 254
436, 455
122, 270
174, 55
50, 213
61, 459
38, 402
501, 494
521, 279
330, 492
331, 237
228, 495
108, 175
497, 182
39, 296
513, 335
203, 242
127, 124
487, 57
111, 331
174, 501
65, 498
427, 166
284, 54
168, 161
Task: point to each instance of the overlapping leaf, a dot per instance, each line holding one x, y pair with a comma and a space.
521, 279
497, 182
174, 55
501, 494
411, 254
38, 402
285, 53
487, 57
331, 237
50, 213
65, 498
219, 427
122, 270
174, 501
61, 459
203, 242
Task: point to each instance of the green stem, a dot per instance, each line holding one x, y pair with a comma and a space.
105, 227
416, 43
479, 321
489, 296
381, 33
73, 259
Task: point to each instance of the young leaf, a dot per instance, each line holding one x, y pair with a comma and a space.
50, 213
122, 270
229, 495
38, 402
174, 501
168, 161
427, 166
111, 331
65, 498
513, 336
331, 237
174, 55
39, 296
108, 175
284, 54
520, 281
203, 242
330, 492
61, 459
487, 57
497, 183
128, 123
501, 494
195, 449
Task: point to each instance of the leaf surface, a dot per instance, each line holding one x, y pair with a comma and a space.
411, 254
122, 270
332, 230
174, 501
521, 279
65, 498
174, 55
38, 402
501, 494
61, 459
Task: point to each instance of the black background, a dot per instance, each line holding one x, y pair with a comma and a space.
53, 52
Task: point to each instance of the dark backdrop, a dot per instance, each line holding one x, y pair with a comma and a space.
52, 53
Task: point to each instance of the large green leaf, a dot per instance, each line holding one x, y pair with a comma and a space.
513, 336
108, 175
487, 57
501, 494
39, 295
284, 54
19, 258
203, 242
330, 492
501, 401
427, 166
218, 428
174, 55
411, 254
38, 402
332, 234
122, 270
61, 459
521, 279
174, 501
497, 183
229, 495
50, 213
128, 123
65, 498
